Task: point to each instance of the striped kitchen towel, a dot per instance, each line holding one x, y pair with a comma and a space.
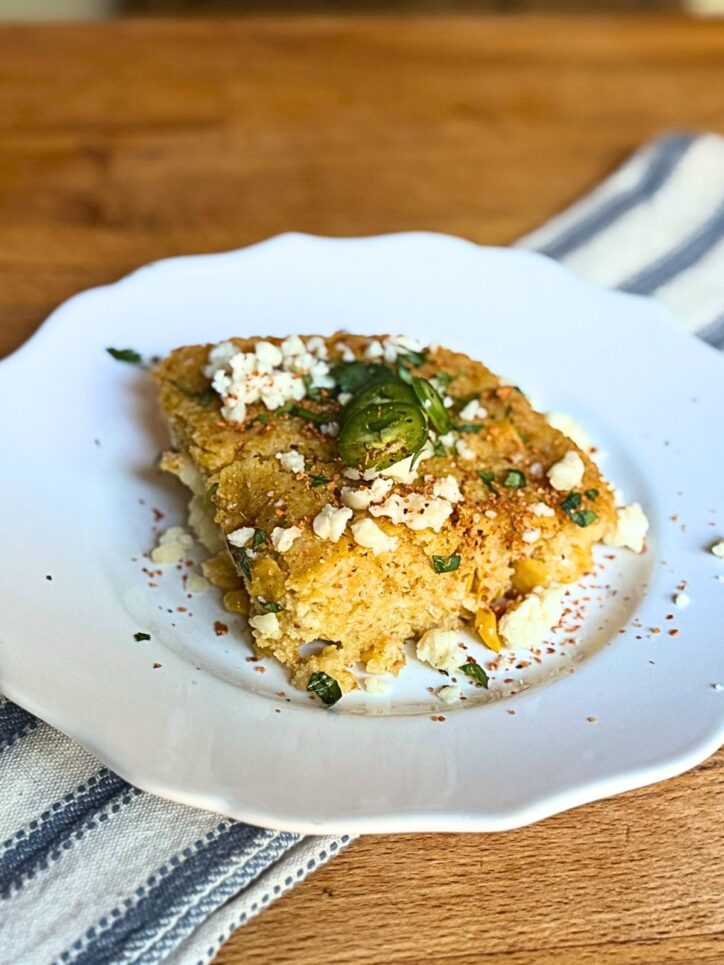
93, 870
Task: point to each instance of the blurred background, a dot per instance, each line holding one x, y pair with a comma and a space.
20, 10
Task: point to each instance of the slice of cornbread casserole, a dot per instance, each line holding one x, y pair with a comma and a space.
363, 491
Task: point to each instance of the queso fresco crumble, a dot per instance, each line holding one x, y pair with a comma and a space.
362, 491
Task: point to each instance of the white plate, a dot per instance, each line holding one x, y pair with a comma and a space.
206, 726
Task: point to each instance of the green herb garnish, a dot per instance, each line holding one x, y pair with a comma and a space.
141, 636
272, 607
129, 355
242, 561
258, 538
489, 479
302, 412
211, 492
474, 670
443, 379
584, 517
352, 376
319, 481
571, 502
439, 449
313, 391
445, 564
413, 358
514, 479
325, 687
263, 418
592, 494
467, 427
404, 374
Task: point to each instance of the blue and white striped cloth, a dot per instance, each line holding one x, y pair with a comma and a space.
93, 870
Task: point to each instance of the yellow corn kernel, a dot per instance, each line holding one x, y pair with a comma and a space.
220, 571
237, 601
486, 623
267, 579
527, 574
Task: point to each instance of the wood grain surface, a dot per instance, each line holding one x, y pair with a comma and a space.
125, 142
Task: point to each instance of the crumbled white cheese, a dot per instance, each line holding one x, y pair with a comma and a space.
292, 460
448, 488
530, 535
269, 374
266, 625
374, 350
682, 600
569, 427
567, 473
441, 649
330, 429
330, 522
490, 513
448, 402
368, 534
196, 583
360, 499
718, 549
530, 621
536, 469
347, 353
355, 474
283, 539
629, 529
344, 397
241, 537
473, 410
464, 450
448, 440
542, 509
173, 546
450, 694
406, 470
376, 685
415, 511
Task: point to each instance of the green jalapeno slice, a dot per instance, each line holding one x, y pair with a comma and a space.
432, 405
381, 434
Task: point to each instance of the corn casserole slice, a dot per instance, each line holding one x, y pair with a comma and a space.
362, 491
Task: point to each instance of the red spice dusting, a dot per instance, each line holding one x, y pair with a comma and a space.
591, 720
511, 712
153, 585
673, 633
48, 577
260, 669
157, 514
656, 629
254, 660
439, 717
220, 628
156, 666
277, 711
181, 609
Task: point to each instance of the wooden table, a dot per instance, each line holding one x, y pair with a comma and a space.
130, 141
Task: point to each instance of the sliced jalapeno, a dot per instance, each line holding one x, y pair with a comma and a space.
391, 390
432, 405
377, 436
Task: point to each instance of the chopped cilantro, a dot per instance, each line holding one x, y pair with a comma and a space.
592, 494
352, 376
313, 391
404, 374
413, 358
467, 427
514, 479
439, 449
272, 607
488, 478
258, 538
242, 561
302, 412
584, 517
319, 481
263, 419
211, 492
141, 636
325, 687
571, 502
129, 355
474, 670
445, 564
